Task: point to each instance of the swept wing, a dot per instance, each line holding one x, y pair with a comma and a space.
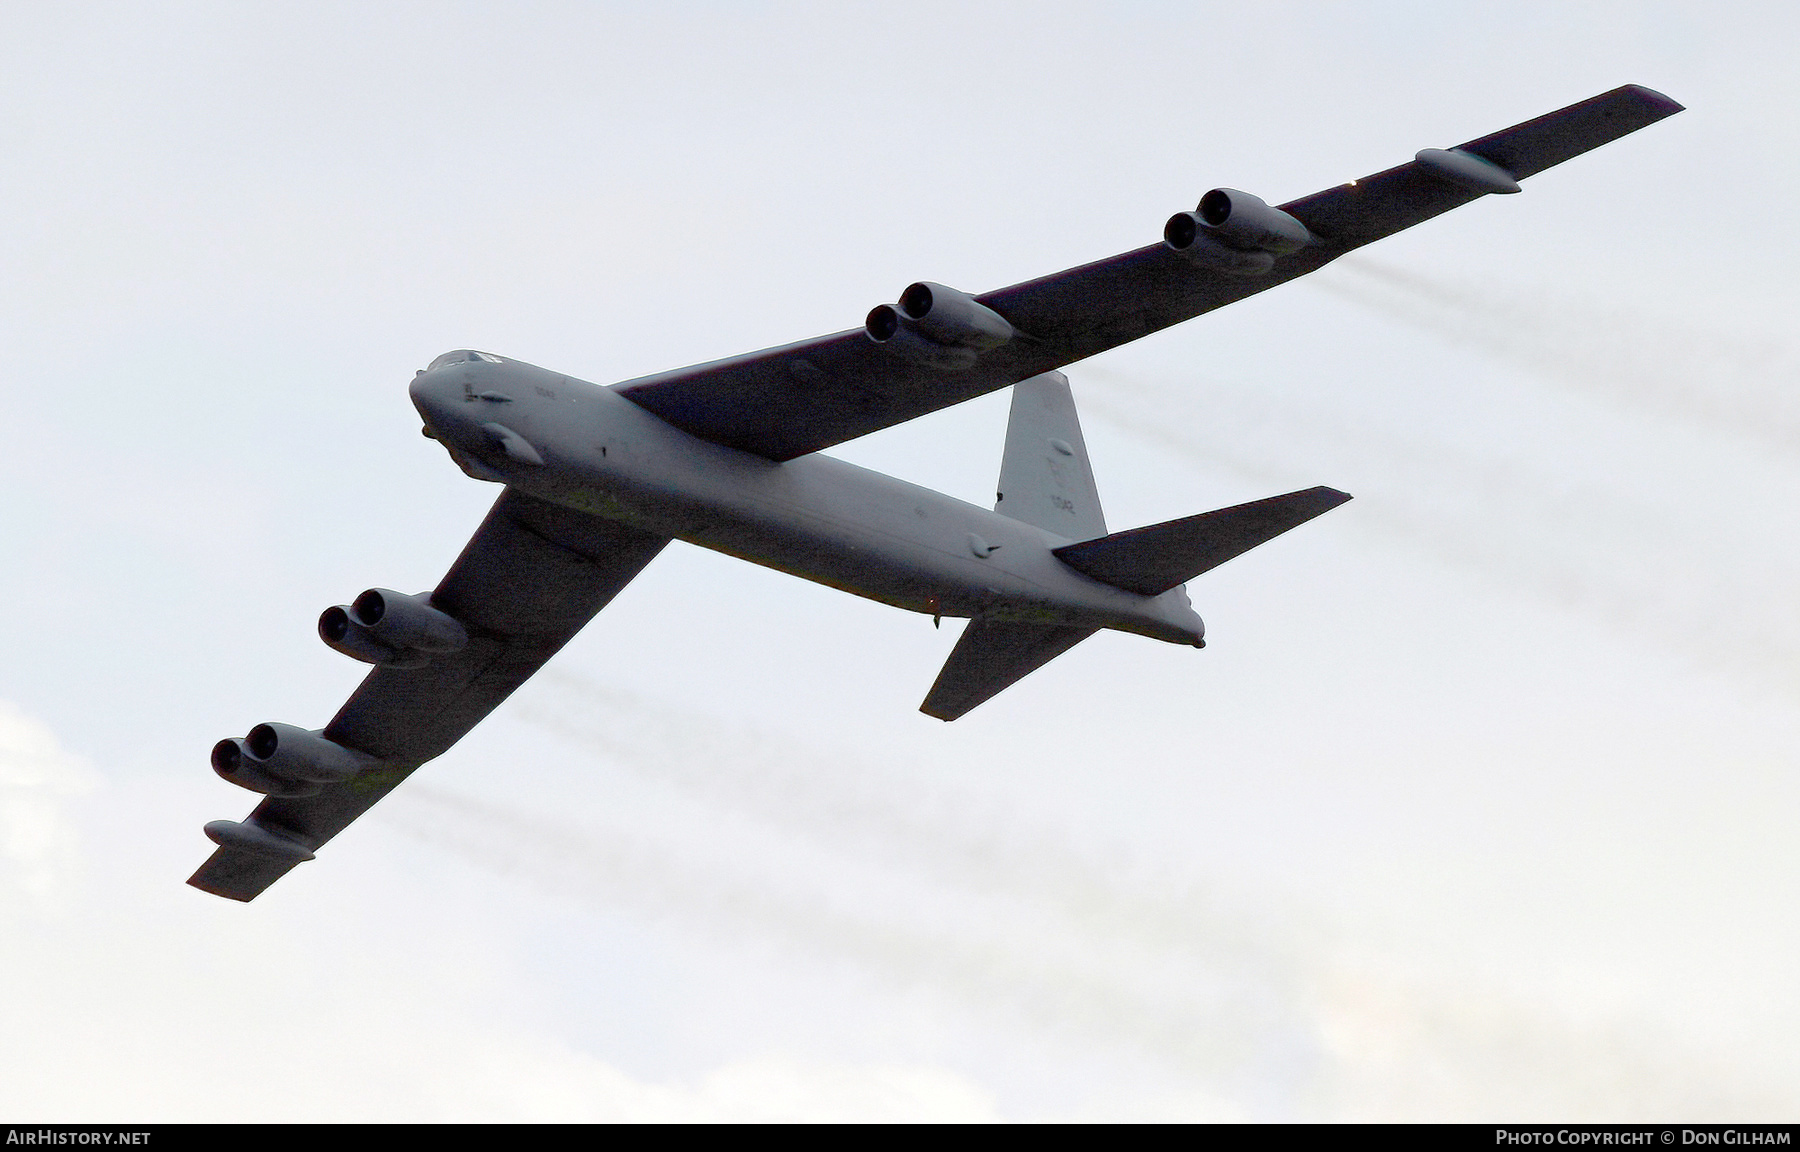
787, 402
531, 577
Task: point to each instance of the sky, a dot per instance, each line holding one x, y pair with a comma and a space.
1478, 805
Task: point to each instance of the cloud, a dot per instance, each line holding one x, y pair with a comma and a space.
770, 1089
145, 1000
39, 782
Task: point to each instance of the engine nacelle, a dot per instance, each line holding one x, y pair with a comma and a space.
283, 760
232, 760
1184, 233
402, 621
345, 635
1240, 220
955, 318
937, 326
391, 629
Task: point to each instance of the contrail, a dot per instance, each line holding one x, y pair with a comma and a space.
1334, 1040
1681, 583
863, 808
1191, 1018
1745, 385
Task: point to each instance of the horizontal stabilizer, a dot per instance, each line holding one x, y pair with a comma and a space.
993, 655
1153, 560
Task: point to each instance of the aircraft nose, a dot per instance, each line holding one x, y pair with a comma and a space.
436, 396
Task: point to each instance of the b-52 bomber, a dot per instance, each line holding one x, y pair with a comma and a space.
726, 455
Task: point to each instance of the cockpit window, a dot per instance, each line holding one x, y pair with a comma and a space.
462, 355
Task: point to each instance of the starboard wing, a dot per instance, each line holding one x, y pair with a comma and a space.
533, 575
787, 402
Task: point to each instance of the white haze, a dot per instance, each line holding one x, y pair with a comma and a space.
1094, 949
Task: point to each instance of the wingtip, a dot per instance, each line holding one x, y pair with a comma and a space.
1656, 100
1328, 496
195, 881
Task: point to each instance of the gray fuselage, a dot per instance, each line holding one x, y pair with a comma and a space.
587, 447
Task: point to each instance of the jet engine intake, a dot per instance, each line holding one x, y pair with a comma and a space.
283, 760
1240, 221
952, 317
938, 326
402, 621
391, 629
232, 760
1185, 234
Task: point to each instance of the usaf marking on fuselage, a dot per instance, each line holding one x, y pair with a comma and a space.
597, 480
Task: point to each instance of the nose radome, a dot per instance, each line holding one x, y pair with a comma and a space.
434, 394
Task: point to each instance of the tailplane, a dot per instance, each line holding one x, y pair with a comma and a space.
991, 656
1152, 560
1046, 481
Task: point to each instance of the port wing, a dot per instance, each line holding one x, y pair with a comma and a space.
533, 575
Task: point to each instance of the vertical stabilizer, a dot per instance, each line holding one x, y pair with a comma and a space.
1045, 477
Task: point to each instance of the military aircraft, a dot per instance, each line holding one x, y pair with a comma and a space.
597, 480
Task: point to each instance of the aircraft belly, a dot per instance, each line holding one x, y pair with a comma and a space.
831, 522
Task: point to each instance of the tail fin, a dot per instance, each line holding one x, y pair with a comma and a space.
1045, 478
1047, 482
993, 655
1153, 560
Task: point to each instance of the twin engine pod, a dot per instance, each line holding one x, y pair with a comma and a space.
1235, 232
391, 629
282, 760
938, 327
